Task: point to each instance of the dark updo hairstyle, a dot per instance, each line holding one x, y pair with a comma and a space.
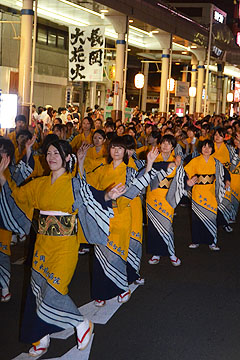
48, 140
130, 143
117, 141
24, 133
7, 147
100, 132
222, 131
156, 135
64, 149
170, 139
208, 142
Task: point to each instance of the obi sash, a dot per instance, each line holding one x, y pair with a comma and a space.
57, 223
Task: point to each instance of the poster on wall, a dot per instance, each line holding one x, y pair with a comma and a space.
86, 53
237, 91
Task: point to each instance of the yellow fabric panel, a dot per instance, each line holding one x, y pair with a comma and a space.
18, 155
142, 152
5, 241
120, 227
79, 139
222, 154
202, 138
131, 164
55, 258
94, 159
105, 178
235, 184
204, 195
137, 219
12, 137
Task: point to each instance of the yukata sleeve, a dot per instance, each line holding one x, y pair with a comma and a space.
21, 171
142, 179
94, 212
178, 187
16, 207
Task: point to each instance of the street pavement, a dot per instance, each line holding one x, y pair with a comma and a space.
191, 312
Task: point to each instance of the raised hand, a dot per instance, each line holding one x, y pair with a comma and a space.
30, 143
3, 165
82, 151
191, 182
152, 155
115, 192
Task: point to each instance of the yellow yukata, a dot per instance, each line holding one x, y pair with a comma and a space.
57, 254
136, 235
79, 139
222, 154
105, 178
110, 262
5, 250
48, 307
160, 216
204, 202
93, 158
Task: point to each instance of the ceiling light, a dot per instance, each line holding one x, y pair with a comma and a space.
184, 52
130, 20
80, 7
194, 47
155, 32
177, 63
104, 11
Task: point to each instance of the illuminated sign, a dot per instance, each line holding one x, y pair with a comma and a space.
218, 52
218, 17
238, 38
237, 92
8, 110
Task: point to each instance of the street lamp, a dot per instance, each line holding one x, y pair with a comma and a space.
170, 84
139, 81
230, 97
192, 91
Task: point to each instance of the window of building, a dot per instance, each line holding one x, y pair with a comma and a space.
52, 37
42, 36
61, 42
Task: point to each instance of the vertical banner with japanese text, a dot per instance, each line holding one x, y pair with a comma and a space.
86, 53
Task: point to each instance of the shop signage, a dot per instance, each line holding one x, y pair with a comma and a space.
237, 92
218, 17
181, 88
86, 53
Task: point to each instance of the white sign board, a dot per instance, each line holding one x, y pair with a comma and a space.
86, 53
8, 110
181, 88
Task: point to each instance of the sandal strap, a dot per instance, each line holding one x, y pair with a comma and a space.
84, 335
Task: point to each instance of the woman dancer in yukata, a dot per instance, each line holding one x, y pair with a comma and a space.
60, 199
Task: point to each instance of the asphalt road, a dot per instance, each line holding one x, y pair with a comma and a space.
187, 313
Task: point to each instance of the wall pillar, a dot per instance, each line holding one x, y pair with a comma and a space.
164, 79
145, 88
25, 58
192, 101
92, 94
219, 89
224, 94
200, 69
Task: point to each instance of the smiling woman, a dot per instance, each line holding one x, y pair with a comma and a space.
60, 199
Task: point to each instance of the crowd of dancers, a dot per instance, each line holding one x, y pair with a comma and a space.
75, 183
